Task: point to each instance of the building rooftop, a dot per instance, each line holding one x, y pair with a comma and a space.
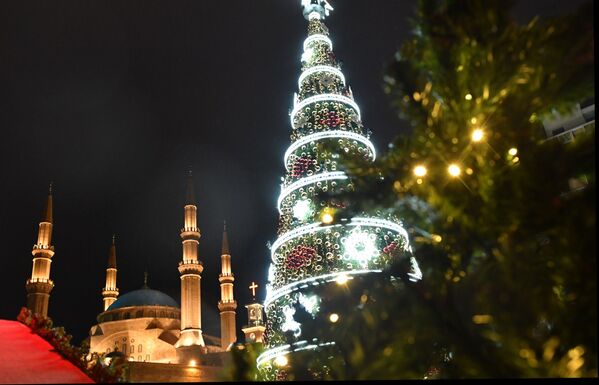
143, 297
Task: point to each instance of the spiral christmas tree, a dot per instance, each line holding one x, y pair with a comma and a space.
314, 245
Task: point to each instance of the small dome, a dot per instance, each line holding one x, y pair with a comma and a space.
143, 297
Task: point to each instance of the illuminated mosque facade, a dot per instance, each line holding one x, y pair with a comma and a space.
161, 340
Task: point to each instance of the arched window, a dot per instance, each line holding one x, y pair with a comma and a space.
116, 316
139, 314
126, 316
132, 348
139, 348
153, 313
147, 357
139, 358
162, 314
131, 358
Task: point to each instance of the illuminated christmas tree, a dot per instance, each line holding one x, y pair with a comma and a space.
321, 241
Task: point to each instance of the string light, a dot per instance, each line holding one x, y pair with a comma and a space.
327, 216
513, 151
342, 279
477, 135
420, 171
281, 361
454, 170
334, 317
325, 135
324, 98
468, 97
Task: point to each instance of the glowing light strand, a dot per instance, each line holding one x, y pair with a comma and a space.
336, 175
291, 287
285, 349
320, 68
325, 135
296, 233
323, 98
358, 221
318, 37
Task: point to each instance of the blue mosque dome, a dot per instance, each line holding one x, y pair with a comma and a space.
143, 297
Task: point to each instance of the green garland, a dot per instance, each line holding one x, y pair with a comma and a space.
92, 364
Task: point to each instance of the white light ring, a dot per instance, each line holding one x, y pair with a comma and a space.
324, 98
381, 223
325, 176
325, 135
284, 349
295, 233
271, 353
318, 37
320, 68
291, 287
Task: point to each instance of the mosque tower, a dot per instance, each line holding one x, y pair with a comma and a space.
40, 285
227, 303
110, 291
190, 269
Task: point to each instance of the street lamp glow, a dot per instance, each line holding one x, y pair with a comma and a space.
477, 135
454, 170
420, 171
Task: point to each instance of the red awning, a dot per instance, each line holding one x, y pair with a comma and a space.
25, 357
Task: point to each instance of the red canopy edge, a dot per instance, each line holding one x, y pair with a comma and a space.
25, 357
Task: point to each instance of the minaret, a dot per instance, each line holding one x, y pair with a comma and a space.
190, 269
110, 291
227, 303
254, 330
40, 285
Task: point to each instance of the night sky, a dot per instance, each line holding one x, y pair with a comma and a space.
115, 100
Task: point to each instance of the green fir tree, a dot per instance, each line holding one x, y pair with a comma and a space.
507, 248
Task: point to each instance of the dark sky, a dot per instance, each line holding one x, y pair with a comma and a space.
114, 100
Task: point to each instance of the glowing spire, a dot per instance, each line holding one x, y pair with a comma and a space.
112, 254
225, 245
47, 215
189, 193
110, 291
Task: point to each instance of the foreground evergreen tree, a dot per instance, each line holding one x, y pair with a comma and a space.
507, 248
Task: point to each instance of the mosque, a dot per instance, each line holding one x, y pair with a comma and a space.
162, 341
